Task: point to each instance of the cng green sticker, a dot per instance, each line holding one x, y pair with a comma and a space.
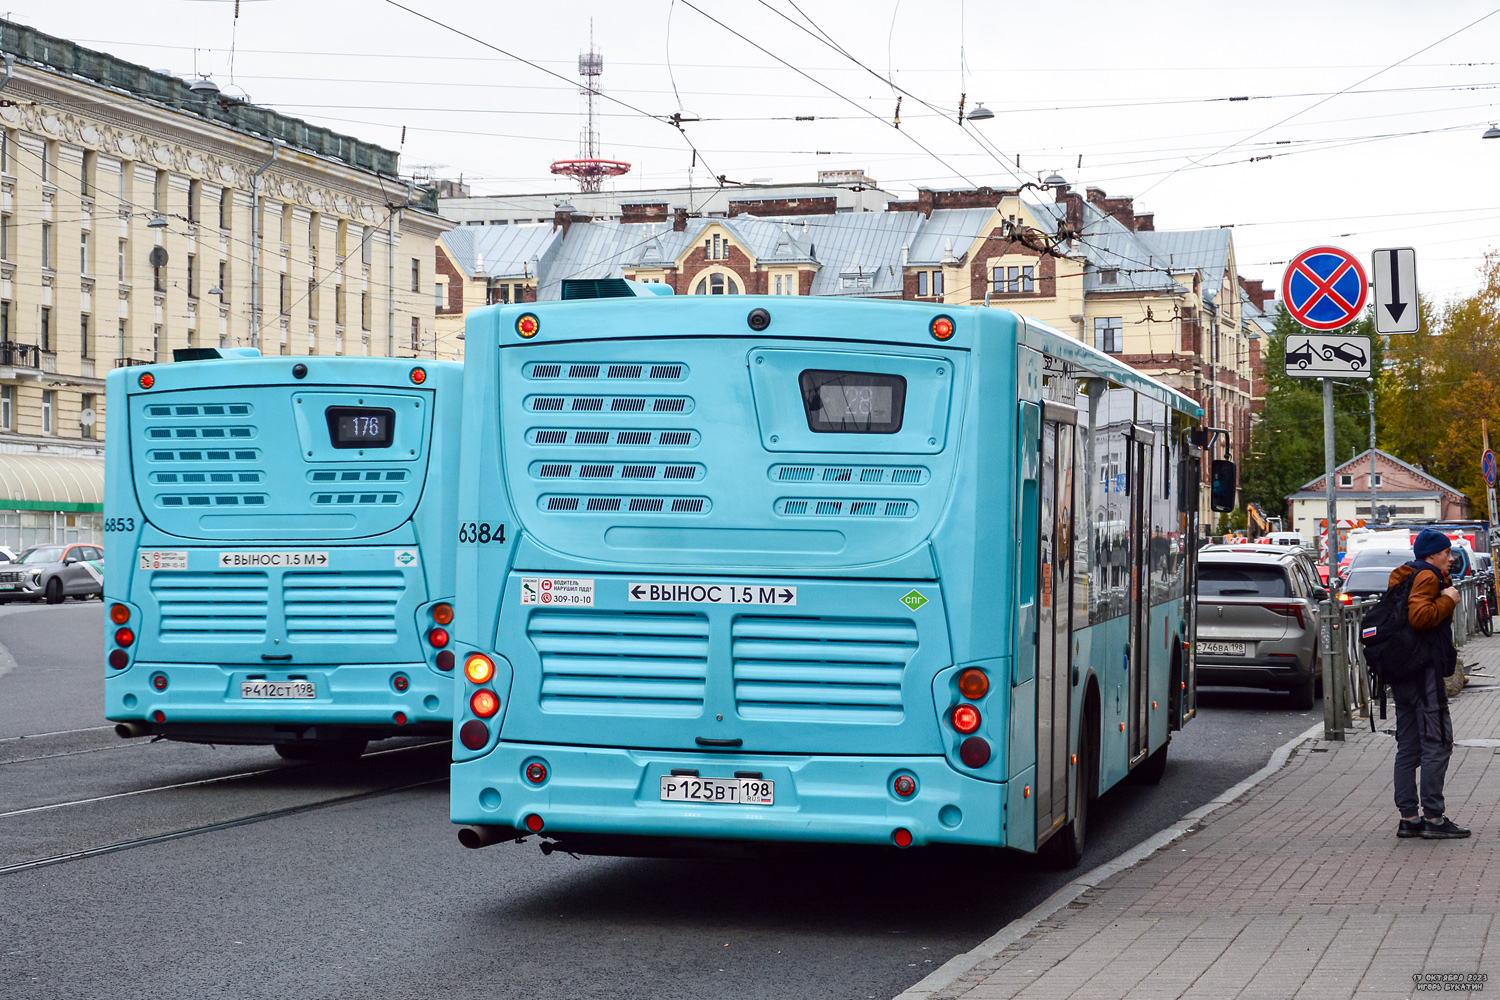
914, 600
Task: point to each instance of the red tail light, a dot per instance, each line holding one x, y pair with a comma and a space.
974, 751
474, 734
1289, 610
445, 660
536, 772
124, 637
438, 637
905, 786
159, 681
119, 659
400, 682
534, 823
901, 837
484, 703
965, 718
1346, 598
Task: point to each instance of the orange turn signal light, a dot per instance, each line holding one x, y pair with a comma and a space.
418, 376
479, 668
941, 327
484, 703
973, 683
528, 325
442, 613
119, 614
147, 380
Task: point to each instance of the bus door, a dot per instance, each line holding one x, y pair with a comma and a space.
1055, 616
1138, 455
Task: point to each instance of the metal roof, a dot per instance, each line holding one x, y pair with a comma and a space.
498, 251
1181, 250
51, 482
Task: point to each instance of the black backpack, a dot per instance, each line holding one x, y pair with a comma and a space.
1389, 642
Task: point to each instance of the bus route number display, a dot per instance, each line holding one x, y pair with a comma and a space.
557, 591
361, 426
852, 402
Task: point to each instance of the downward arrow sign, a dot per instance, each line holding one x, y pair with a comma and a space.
1395, 307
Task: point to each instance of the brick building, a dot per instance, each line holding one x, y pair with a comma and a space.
1403, 493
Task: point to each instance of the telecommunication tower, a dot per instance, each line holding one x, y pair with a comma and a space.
588, 169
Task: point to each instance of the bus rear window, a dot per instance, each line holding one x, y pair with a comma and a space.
1218, 580
852, 402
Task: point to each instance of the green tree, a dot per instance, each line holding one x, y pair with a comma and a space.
1286, 442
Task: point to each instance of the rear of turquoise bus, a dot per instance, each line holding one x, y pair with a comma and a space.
736, 569
279, 569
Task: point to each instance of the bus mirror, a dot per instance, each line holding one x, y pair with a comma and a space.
1224, 482
1189, 483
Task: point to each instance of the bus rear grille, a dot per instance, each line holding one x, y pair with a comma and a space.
627, 470
631, 663
848, 474
604, 369
211, 607
811, 507
623, 505
596, 437
211, 500
341, 607
599, 404
821, 669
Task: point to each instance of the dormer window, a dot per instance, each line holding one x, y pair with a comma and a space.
1109, 276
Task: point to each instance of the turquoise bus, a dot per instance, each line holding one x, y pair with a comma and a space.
280, 555
743, 569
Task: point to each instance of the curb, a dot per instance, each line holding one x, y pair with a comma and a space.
946, 974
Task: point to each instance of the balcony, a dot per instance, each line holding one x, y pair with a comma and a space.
13, 355
131, 362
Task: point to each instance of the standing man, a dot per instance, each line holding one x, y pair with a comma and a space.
1424, 729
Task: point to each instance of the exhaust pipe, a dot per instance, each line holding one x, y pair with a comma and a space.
475, 837
130, 730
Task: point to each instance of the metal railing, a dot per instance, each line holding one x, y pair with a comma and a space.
1346, 676
131, 362
14, 355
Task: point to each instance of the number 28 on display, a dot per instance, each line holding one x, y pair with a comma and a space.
480, 531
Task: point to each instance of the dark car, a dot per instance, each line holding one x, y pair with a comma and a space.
1258, 621
1369, 573
1344, 352
1301, 356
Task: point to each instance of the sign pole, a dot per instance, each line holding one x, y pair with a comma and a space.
1332, 729
1489, 489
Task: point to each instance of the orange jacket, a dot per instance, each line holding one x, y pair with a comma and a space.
1427, 607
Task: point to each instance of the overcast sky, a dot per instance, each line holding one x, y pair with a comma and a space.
1143, 98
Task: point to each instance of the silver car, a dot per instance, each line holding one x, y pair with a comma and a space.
1258, 621
53, 573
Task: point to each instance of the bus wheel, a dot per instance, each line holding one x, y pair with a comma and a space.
1065, 849
321, 750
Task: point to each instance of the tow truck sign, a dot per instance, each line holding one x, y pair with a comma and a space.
672, 592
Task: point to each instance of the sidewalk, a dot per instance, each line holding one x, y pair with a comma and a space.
1300, 888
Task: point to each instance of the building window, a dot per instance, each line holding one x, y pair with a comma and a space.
49, 155
8, 407
416, 334
5, 151
338, 307
46, 244
717, 284
1028, 279
46, 338
367, 246
440, 295
192, 276
1109, 334
937, 282
124, 258
49, 400
286, 222
226, 208
88, 176
312, 300
286, 294
364, 310
156, 342
5, 241
223, 285
85, 344
159, 278
921, 282
778, 284
159, 192
416, 275
125, 171
341, 240
83, 253
195, 194
85, 410
5, 321
122, 338
1346, 482
1109, 276
1376, 479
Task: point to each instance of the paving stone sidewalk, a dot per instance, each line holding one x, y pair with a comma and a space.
1298, 889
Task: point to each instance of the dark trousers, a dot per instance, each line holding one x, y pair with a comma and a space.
1424, 738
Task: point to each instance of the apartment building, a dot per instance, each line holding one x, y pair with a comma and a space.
141, 213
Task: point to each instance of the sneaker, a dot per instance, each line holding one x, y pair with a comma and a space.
1409, 828
1442, 829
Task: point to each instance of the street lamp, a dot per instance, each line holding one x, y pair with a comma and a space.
980, 114
158, 221
1491, 133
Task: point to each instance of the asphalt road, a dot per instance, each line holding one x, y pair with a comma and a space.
261, 878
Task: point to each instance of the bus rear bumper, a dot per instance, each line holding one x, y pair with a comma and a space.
603, 792
205, 699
